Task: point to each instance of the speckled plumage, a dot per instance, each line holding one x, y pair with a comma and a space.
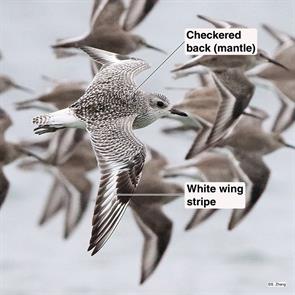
110, 109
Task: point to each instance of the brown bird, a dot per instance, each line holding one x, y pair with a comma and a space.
236, 92
108, 33
201, 104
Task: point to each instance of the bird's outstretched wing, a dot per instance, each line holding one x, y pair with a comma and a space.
106, 13
199, 216
4, 186
122, 66
221, 23
55, 201
121, 158
255, 174
286, 116
236, 92
156, 228
280, 36
137, 11
5, 123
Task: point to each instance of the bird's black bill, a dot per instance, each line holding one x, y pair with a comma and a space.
289, 146
275, 63
252, 115
154, 48
177, 112
22, 88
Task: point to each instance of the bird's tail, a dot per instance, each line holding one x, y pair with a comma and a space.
57, 120
69, 43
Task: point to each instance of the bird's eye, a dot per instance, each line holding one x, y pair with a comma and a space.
160, 104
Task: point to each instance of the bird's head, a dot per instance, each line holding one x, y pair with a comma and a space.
160, 106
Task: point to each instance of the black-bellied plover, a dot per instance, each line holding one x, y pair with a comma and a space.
108, 33
110, 108
7, 83
58, 97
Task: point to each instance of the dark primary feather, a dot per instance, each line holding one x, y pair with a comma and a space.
121, 158
106, 14
156, 228
236, 92
258, 173
137, 11
4, 186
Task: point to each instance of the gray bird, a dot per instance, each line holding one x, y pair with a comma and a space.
110, 109
6, 83
108, 33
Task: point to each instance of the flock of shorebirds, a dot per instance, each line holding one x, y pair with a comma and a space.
230, 140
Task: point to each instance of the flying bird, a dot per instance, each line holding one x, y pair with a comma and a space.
280, 81
71, 189
238, 157
107, 31
236, 92
110, 109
